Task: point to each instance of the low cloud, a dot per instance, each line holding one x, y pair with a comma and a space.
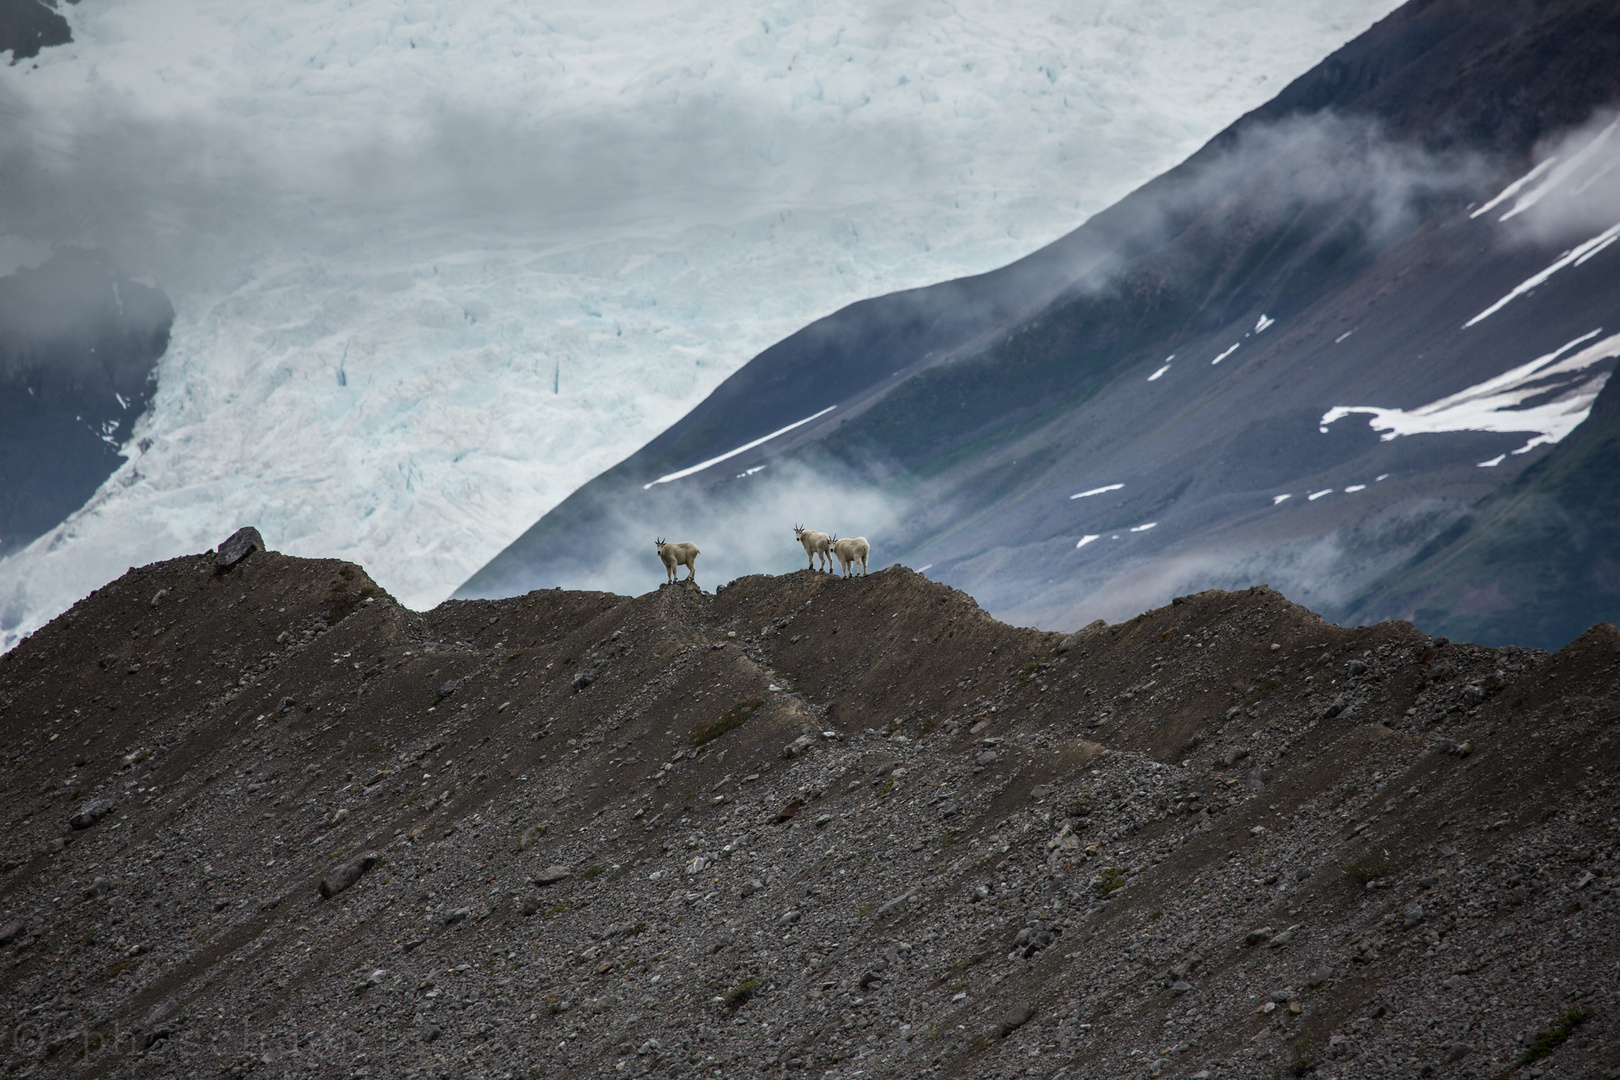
742, 527
1571, 191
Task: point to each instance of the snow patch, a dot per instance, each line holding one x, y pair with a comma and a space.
1144, 528
1084, 540
1277, 500
1354, 488
1514, 188
1319, 494
1264, 322
1097, 491
1567, 168
743, 449
1547, 396
1573, 257
1227, 353
1494, 462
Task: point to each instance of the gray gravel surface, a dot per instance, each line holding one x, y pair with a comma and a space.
264, 821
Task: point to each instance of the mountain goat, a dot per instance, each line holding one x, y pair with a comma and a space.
815, 543
851, 553
675, 555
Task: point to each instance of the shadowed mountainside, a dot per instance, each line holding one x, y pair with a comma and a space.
79, 346
1533, 561
27, 26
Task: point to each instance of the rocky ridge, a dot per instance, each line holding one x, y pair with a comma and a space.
265, 821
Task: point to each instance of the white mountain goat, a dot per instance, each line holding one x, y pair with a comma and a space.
815, 543
674, 555
851, 553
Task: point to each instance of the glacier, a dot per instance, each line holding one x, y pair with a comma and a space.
435, 266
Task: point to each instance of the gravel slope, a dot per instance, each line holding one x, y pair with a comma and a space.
806, 826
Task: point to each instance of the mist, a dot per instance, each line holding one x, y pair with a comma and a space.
1571, 190
744, 526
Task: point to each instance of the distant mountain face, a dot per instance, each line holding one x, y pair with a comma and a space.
1303, 357
79, 346
26, 26
1532, 560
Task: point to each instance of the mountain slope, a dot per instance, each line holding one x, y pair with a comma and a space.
79, 347
1316, 262
263, 820
1532, 560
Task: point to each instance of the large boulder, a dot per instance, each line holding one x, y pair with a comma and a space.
346, 875
241, 543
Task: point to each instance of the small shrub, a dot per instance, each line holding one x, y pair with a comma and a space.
1303, 1056
1111, 878
591, 872
738, 995
708, 730
1551, 1038
341, 603
1369, 867
1265, 689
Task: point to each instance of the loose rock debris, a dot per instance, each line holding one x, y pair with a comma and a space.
1224, 839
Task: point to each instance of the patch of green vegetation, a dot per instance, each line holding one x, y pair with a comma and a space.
1265, 688
708, 730
556, 909
341, 600
91, 1045
129, 964
591, 873
1551, 1038
512, 656
888, 786
1302, 1056
1111, 878
1369, 867
738, 995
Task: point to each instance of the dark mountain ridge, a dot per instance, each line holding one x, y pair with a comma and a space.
265, 821
1326, 237
79, 346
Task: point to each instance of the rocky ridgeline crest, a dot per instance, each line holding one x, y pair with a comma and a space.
265, 821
